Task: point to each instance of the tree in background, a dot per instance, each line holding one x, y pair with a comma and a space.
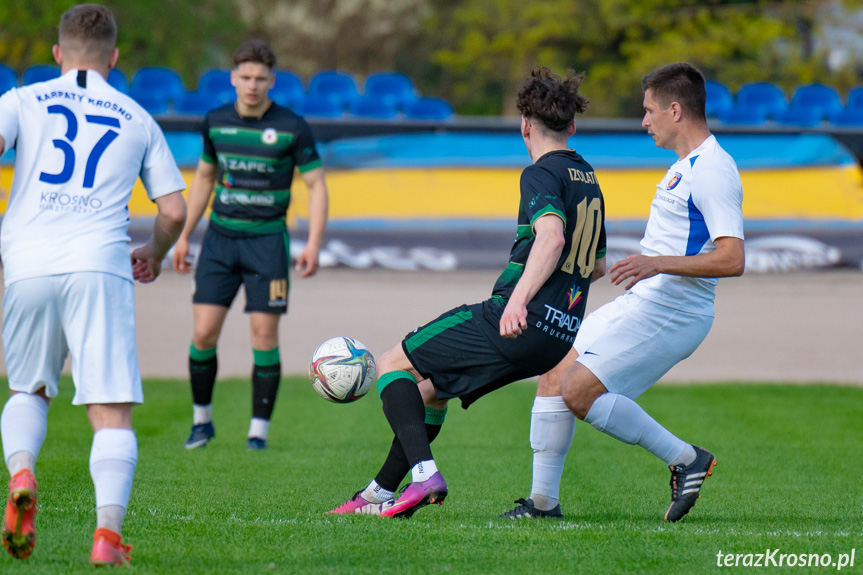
186, 36
358, 36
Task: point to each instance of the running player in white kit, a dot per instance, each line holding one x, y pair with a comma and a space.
694, 235
80, 145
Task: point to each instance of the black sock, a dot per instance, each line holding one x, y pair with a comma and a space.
405, 412
396, 465
202, 374
265, 387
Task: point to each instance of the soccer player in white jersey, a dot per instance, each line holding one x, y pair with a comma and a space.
80, 145
694, 235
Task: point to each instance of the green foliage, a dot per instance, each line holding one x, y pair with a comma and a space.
788, 478
187, 36
485, 48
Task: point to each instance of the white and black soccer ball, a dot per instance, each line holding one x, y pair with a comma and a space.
342, 369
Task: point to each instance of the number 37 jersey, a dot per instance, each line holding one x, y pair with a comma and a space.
80, 145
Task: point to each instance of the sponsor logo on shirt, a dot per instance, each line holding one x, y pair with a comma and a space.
559, 324
246, 199
672, 183
269, 136
574, 295
61, 202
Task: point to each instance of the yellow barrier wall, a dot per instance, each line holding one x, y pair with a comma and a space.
834, 193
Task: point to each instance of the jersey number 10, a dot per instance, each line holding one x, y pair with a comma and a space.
585, 236
65, 146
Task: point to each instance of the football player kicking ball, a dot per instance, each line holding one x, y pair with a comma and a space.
80, 145
523, 330
694, 235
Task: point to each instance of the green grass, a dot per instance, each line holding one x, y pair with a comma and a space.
788, 477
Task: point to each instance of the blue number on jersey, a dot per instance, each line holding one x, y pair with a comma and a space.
69, 153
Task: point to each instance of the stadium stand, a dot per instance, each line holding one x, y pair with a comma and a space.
373, 107
214, 82
156, 87
749, 116
322, 108
40, 73
802, 117
394, 88
8, 78
429, 108
848, 116
855, 98
338, 87
118, 79
288, 90
823, 100
719, 99
766, 96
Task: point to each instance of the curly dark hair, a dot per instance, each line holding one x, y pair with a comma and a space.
550, 99
682, 83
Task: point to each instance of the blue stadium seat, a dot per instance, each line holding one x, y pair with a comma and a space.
118, 79
719, 99
40, 73
8, 78
748, 116
215, 82
848, 117
288, 90
855, 98
373, 107
429, 108
200, 102
799, 116
394, 88
823, 99
154, 83
337, 87
767, 97
322, 108
154, 104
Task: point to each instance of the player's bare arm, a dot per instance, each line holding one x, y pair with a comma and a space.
2, 145
307, 262
543, 258
147, 259
199, 198
599, 269
727, 260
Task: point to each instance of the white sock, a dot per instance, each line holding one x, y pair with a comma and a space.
202, 413
552, 426
686, 456
259, 427
423, 471
621, 418
23, 426
113, 459
374, 493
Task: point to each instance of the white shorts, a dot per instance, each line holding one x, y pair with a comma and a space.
88, 314
630, 342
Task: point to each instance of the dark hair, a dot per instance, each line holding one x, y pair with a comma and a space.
255, 51
551, 100
681, 83
89, 29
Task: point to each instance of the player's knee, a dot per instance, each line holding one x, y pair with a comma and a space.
575, 398
393, 359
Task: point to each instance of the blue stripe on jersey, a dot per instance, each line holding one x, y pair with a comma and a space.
698, 234
692, 161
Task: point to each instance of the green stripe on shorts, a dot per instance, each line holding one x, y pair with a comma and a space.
436, 328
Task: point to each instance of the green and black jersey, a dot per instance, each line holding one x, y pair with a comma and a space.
255, 160
561, 183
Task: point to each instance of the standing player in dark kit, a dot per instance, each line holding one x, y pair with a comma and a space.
523, 330
250, 151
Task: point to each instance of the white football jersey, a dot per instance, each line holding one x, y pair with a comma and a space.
80, 145
699, 199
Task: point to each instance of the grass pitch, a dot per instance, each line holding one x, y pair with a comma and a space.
788, 478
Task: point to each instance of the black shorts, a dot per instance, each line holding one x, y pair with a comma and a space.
258, 262
456, 353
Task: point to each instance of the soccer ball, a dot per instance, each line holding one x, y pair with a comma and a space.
342, 369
